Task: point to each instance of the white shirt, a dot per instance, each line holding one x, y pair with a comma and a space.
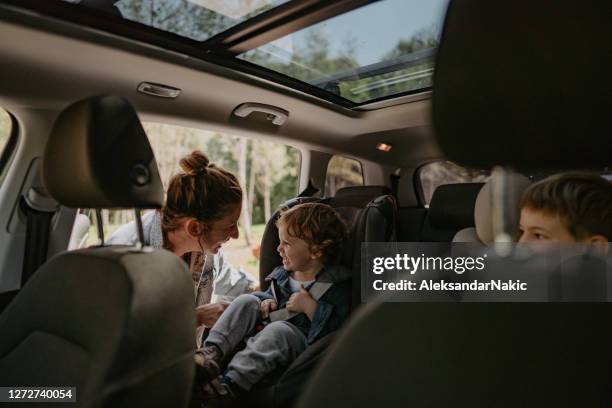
296, 284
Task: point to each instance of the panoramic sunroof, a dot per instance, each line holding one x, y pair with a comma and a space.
383, 49
194, 19
369, 53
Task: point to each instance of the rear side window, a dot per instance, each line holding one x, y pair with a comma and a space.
342, 172
435, 174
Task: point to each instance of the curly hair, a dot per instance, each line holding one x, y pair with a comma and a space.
319, 225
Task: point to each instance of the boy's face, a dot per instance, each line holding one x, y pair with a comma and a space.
546, 231
539, 226
295, 252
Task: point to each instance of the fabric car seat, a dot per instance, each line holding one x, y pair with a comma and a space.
370, 213
450, 210
471, 354
115, 322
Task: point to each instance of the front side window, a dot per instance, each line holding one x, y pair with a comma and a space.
268, 173
435, 174
342, 172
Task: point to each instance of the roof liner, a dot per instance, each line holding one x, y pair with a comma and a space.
49, 71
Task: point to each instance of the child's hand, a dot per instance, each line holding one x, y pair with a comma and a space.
267, 306
302, 302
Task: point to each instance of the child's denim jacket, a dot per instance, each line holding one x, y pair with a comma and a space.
332, 308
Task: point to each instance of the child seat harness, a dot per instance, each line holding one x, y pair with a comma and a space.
316, 290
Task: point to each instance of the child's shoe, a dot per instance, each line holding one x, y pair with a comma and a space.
217, 394
208, 363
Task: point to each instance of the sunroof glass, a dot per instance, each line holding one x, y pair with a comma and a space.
380, 50
194, 19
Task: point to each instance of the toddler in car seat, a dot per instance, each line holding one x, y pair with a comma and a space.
573, 207
308, 297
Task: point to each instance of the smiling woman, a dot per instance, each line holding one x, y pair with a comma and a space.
200, 214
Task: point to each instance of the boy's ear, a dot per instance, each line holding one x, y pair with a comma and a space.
598, 245
316, 252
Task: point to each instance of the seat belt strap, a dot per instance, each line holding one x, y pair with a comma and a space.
394, 179
317, 290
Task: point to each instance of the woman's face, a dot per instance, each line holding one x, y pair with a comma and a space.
220, 231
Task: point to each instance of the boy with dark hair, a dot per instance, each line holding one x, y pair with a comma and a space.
574, 207
308, 298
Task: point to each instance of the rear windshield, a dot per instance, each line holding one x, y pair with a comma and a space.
435, 174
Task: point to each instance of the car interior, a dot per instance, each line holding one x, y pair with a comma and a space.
505, 91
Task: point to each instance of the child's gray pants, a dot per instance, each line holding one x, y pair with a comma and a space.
277, 345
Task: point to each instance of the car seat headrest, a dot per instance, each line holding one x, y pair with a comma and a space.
530, 89
452, 205
516, 184
98, 156
359, 196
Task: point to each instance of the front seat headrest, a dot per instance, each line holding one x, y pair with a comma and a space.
483, 210
524, 84
359, 196
452, 205
98, 156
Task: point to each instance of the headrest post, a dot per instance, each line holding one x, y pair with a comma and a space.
139, 228
499, 200
100, 226
506, 194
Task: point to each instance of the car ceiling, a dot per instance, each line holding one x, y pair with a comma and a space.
55, 63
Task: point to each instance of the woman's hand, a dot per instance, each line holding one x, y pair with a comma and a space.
267, 306
302, 302
208, 314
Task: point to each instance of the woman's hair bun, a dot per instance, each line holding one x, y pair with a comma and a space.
195, 163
